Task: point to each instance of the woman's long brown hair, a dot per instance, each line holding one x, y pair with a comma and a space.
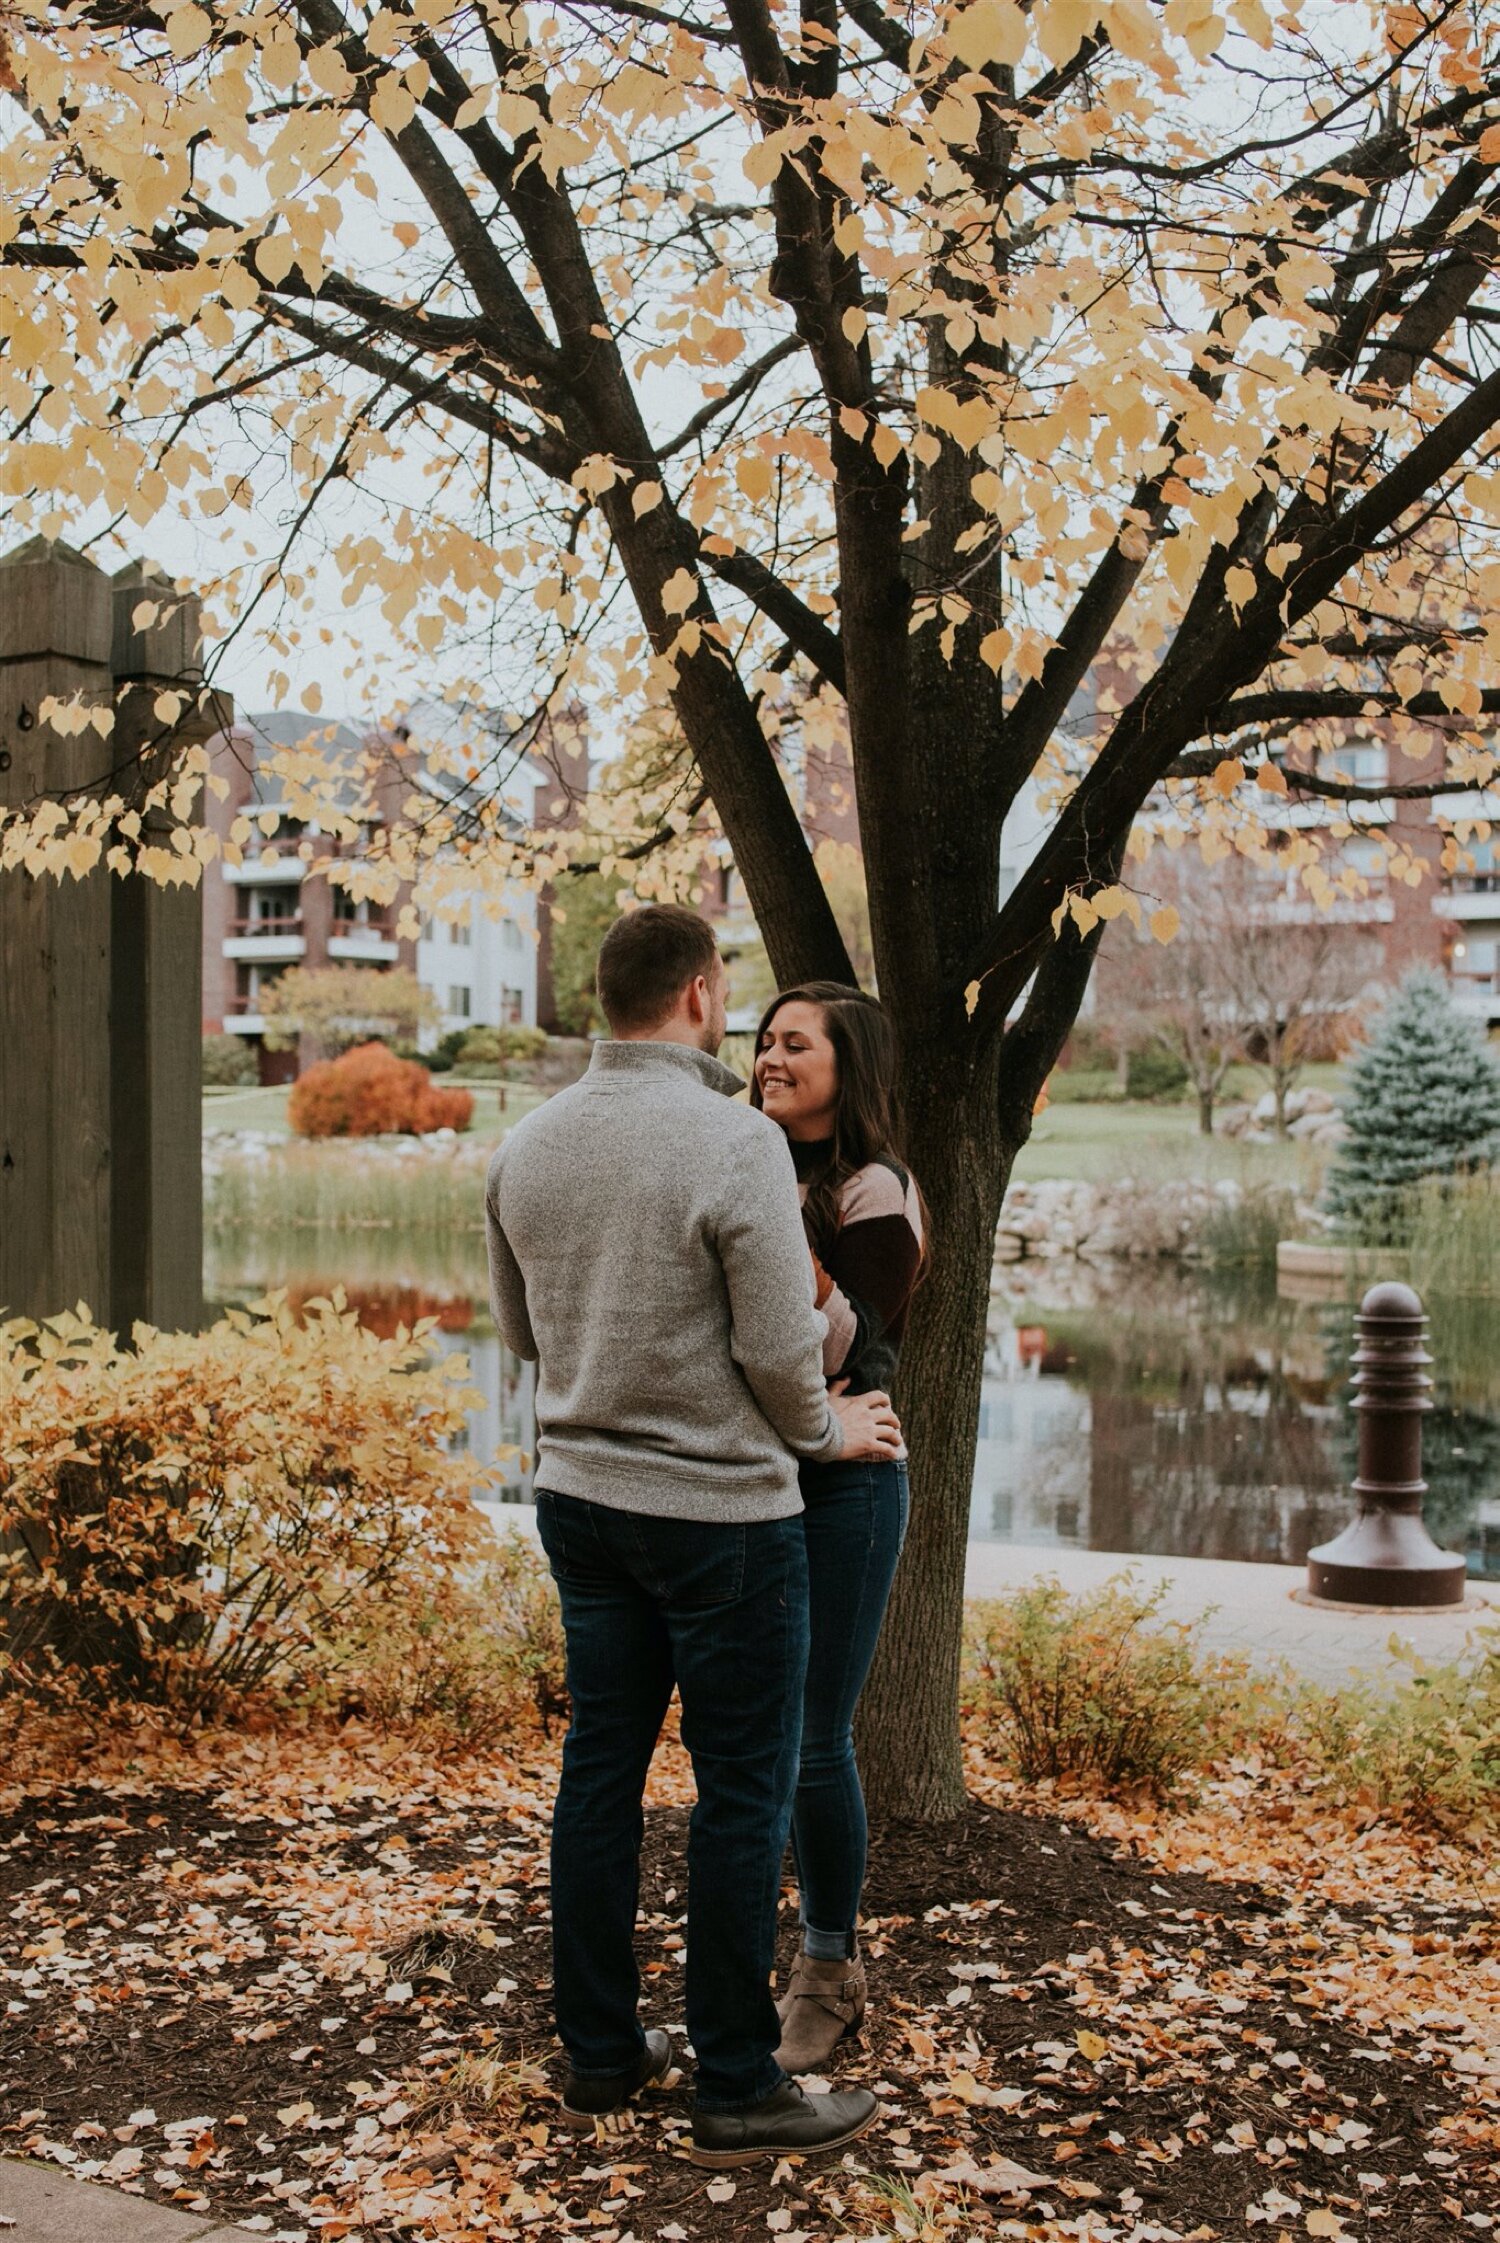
865, 1124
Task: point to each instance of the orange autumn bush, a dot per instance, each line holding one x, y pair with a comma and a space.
369, 1092
193, 1520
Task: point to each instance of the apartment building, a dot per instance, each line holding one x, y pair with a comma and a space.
485, 963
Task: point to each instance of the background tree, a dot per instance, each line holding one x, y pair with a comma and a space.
585, 911
1424, 1100
1293, 986
1172, 996
332, 1008
663, 354
843, 878
1253, 972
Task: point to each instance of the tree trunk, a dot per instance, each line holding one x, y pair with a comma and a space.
1206, 1110
908, 1728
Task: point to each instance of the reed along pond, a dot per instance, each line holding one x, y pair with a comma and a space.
1146, 1408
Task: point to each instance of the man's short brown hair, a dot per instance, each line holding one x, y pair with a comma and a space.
647, 960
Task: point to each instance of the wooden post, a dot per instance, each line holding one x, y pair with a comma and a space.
100, 1001
56, 623
156, 1008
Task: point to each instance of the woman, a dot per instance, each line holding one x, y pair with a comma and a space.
824, 1065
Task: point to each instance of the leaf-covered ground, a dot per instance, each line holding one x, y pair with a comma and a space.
304, 1984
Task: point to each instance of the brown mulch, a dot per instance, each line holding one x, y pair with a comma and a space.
217, 2003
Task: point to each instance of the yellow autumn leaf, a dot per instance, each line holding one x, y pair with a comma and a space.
1091, 2045
1271, 779
1254, 22
1164, 922
275, 257
644, 497
677, 592
1239, 583
971, 998
988, 31
761, 162
1322, 2221
392, 107
1133, 31
754, 475
1227, 775
187, 28
1062, 27
1198, 22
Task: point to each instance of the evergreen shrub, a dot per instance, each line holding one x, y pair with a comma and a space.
1154, 1073
1424, 1100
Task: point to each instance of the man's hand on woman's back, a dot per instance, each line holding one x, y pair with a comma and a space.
871, 1426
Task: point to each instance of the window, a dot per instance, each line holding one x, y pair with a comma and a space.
271, 911
1476, 957
1367, 858
510, 934
1361, 761
1484, 879
461, 934
458, 999
512, 1007
250, 982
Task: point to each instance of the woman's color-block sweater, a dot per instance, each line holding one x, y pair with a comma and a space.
867, 1271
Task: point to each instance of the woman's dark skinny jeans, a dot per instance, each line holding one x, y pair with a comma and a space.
855, 1524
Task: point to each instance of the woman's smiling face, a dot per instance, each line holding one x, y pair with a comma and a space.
797, 1071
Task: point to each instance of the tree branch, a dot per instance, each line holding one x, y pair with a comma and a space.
808, 633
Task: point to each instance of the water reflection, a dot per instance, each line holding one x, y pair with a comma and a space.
1146, 1410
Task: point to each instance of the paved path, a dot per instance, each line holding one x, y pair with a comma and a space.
1249, 1609
40, 2204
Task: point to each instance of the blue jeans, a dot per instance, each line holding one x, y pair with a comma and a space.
721, 1611
855, 1524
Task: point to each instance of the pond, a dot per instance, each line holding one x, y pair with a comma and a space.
1147, 1409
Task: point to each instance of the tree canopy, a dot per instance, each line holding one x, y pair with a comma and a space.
849, 342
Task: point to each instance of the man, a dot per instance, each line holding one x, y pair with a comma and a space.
647, 1251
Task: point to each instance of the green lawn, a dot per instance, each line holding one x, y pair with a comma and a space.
1092, 1142
1155, 1143
266, 1109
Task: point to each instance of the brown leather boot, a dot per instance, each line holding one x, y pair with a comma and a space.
824, 2003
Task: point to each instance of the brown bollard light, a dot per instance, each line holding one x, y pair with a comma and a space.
1386, 1557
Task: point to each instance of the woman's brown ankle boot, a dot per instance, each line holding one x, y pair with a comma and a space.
823, 2005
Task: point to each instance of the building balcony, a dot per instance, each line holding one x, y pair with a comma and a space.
374, 944
1474, 895
268, 923
287, 872
273, 941
242, 1015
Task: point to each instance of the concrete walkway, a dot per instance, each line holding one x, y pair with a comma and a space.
1250, 1610
40, 2204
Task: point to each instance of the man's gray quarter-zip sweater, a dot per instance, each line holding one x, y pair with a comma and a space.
647, 1253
